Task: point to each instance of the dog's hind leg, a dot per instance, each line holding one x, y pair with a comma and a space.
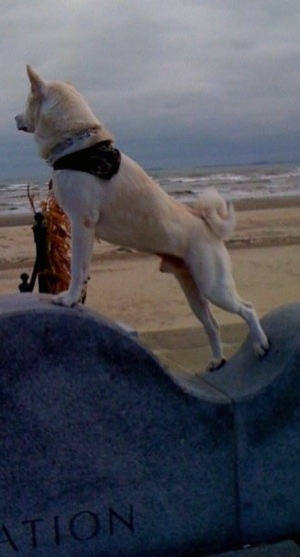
199, 305
233, 303
260, 341
223, 294
211, 271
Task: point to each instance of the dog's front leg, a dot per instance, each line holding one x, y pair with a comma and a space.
83, 233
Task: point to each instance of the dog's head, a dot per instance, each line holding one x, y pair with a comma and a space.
54, 112
28, 120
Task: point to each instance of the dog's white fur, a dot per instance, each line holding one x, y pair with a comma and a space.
132, 210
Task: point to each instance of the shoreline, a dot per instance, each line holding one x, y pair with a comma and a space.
260, 223
126, 286
249, 204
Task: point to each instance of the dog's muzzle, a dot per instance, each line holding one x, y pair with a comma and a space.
20, 123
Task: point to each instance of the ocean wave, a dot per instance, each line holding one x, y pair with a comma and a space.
253, 181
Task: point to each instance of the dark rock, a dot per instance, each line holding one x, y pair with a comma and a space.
101, 453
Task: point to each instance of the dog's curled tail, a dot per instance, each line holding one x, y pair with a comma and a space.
217, 213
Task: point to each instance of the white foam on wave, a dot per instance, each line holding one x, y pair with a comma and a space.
260, 181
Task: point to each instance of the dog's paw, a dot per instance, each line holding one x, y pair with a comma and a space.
215, 364
64, 299
262, 347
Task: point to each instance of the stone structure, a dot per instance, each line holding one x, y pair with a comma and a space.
280, 549
102, 453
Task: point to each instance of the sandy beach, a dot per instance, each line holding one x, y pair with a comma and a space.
127, 286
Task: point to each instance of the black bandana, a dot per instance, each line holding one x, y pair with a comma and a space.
101, 159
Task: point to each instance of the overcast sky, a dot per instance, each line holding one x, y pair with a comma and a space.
180, 83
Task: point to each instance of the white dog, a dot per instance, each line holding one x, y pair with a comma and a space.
130, 209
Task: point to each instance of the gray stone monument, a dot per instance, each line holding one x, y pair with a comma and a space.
103, 454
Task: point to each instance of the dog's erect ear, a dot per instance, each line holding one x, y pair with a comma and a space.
37, 84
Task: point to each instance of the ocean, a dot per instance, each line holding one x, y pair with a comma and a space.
233, 182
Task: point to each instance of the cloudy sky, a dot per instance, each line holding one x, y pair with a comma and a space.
180, 83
